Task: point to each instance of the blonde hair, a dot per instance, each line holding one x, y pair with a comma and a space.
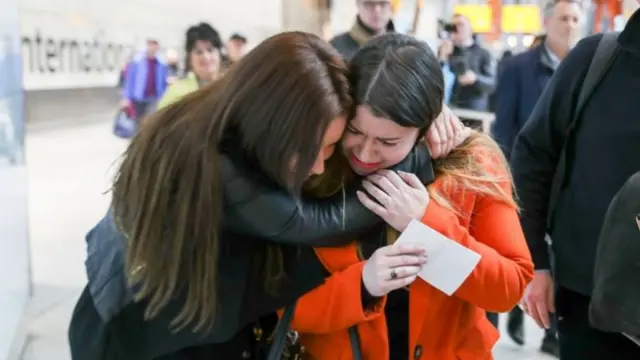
477, 166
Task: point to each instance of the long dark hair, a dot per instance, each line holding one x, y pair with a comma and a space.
399, 78
167, 196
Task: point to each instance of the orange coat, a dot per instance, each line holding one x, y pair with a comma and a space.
441, 327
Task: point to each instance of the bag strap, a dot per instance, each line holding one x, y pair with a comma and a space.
280, 333
603, 58
354, 338
283, 327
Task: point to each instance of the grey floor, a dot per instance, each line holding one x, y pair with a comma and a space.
69, 170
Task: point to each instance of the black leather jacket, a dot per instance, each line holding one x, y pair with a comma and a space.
107, 324
254, 208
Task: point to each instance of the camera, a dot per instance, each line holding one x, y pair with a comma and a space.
447, 26
445, 29
450, 28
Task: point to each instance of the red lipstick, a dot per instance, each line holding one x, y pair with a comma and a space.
364, 165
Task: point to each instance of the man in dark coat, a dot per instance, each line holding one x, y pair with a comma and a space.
601, 155
373, 19
521, 80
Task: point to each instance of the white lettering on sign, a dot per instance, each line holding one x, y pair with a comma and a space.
51, 62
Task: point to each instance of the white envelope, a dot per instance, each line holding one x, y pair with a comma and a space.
448, 263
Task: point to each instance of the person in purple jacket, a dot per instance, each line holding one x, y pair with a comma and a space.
145, 81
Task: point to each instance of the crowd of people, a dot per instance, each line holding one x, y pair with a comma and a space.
255, 213
151, 79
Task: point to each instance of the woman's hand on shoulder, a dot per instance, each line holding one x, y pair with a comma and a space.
445, 133
399, 197
392, 267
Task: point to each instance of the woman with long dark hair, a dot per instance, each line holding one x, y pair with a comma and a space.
398, 89
208, 231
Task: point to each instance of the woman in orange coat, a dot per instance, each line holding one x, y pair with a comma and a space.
399, 90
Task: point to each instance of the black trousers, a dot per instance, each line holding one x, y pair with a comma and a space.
580, 341
518, 313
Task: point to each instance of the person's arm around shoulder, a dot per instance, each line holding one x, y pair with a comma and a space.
254, 209
505, 128
505, 268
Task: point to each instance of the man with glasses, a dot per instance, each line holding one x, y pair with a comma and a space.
374, 18
235, 49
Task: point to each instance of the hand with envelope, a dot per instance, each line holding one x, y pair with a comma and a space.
392, 267
401, 200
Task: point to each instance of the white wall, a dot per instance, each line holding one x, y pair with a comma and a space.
83, 43
343, 14
14, 237
428, 22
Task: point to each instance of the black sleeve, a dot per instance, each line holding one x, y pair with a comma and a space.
486, 78
255, 209
537, 148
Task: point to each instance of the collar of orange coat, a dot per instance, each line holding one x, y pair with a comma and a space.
338, 259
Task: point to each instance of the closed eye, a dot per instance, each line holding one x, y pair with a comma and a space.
387, 143
353, 130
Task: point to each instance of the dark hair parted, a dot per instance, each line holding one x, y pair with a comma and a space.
278, 101
399, 78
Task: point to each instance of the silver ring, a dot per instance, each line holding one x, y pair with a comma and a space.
393, 274
386, 201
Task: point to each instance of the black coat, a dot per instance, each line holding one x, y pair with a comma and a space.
602, 153
108, 325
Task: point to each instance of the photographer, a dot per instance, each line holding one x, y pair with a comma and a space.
471, 63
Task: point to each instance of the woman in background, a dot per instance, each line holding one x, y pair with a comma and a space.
202, 62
